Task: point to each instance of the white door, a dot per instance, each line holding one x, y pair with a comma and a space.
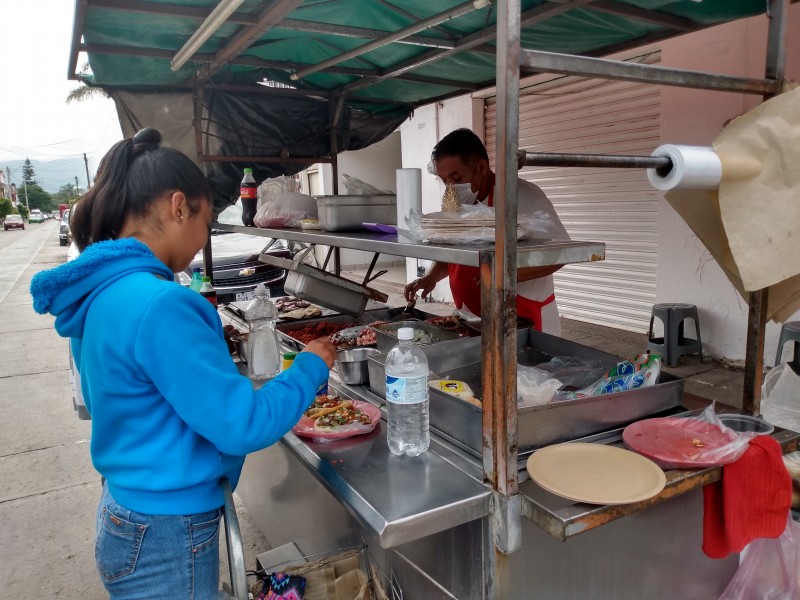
615, 206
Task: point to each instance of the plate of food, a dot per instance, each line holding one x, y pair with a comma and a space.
335, 418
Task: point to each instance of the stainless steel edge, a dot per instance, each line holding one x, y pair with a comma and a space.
531, 253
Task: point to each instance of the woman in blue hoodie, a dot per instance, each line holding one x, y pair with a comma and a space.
171, 415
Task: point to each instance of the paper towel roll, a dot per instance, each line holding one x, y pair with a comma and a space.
693, 168
409, 193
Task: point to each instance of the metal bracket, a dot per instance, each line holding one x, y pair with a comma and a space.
369, 276
506, 521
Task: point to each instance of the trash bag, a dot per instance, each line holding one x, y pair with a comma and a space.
769, 569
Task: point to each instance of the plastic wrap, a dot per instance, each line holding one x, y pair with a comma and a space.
359, 188
288, 210
643, 371
535, 386
274, 187
687, 443
780, 397
536, 225
573, 371
769, 569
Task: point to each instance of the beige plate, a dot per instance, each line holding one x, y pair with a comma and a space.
595, 473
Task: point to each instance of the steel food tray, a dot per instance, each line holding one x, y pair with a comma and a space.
387, 334
339, 213
537, 426
367, 317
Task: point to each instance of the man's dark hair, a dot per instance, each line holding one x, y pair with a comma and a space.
462, 143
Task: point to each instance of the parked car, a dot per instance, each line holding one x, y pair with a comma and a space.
13, 222
64, 233
35, 216
236, 267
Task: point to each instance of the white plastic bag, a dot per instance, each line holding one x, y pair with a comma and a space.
231, 215
535, 386
780, 397
288, 210
769, 568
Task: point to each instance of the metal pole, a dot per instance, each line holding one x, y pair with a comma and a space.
86, 164
498, 271
552, 159
777, 11
25, 184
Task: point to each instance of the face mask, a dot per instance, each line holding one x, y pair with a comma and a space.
465, 193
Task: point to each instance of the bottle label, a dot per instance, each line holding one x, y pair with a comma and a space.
248, 192
406, 390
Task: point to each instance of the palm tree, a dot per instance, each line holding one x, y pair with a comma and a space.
85, 91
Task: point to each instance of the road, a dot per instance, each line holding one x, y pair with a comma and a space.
49, 490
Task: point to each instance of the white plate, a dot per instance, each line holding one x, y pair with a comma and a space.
596, 473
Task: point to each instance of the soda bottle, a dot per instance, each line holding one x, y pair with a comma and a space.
407, 396
207, 290
248, 192
263, 348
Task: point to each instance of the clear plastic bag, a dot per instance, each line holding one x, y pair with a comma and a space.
536, 225
274, 187
769, 568
359, 188
573, 371
232, 215
780, 397
535, 386
288, 210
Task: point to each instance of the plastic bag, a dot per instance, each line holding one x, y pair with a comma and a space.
780, 397
359, 188
231, 215
274, 187
288, 210
535, 386
538, 224
641, 372
769, 568
573, 371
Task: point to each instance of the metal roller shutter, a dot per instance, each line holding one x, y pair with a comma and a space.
615, 206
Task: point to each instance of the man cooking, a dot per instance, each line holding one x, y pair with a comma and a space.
460, 158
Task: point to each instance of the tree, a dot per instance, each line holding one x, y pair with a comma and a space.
84, 91
6, 208
22, 210
67, 194
28, 174
38, 198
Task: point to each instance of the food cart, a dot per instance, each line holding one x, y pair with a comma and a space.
447, 524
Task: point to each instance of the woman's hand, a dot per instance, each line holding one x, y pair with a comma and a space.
324, 348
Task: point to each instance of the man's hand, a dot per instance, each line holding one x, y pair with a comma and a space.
437, 272
324, 348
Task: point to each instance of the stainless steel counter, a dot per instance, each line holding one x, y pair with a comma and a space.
400, 499
531, 253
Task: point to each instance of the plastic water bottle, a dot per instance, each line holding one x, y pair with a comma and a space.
407, 396
263, 348
197, 279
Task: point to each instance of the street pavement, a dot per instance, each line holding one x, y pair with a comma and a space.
49, 490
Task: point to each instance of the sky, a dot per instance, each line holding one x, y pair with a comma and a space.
35, 121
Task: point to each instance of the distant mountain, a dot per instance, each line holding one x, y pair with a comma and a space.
51, 174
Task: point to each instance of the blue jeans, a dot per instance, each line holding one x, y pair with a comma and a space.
154, 557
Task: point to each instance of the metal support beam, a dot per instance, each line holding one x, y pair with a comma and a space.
335, 112
630, 11
456, 11
77, 32
308, 160
566, 64
777, 12
362, 33
614, 161
197, 13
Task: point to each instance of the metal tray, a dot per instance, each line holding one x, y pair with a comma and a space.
387, 334
368, 316
349, 212
537, 426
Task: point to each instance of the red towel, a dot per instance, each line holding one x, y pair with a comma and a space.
750, 501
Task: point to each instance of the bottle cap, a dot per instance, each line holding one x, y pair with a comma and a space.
206, 278
196, 270
405, 333
260, 290
248, 170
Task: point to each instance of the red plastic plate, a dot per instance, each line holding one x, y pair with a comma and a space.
678, 443
305, 427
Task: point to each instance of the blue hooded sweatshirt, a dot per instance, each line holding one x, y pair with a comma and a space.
171, 414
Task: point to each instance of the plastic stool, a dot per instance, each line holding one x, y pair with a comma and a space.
674, 343
790, 332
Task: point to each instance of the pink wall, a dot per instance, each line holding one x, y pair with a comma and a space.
687, 273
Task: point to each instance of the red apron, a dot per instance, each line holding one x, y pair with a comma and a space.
465, 284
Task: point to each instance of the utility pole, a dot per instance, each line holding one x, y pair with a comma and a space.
25, 183
77, 189
8, 181
86, 162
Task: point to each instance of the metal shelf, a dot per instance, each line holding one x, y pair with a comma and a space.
533, 253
